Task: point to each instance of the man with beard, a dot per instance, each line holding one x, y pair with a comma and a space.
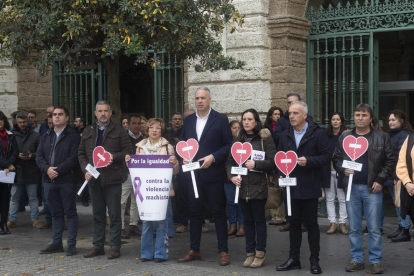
107, 189
79, 125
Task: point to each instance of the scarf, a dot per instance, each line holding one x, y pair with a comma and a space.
3, 137
153, 148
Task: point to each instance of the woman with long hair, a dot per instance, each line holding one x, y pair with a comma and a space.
253, 187
331, 182
8, 158
399, 130
272, 116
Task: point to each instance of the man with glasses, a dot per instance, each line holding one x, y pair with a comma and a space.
33, 121
45, 127
106, 190
57, 158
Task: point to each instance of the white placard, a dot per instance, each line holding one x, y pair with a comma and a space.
92, 170
241, 151
257, 155
355, 146
8, 179
352, 165
191, 166
239, 170
286, 161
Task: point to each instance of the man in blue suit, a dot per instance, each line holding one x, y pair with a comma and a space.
212, 131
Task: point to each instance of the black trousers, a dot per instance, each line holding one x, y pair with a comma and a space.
4, 202
307, 208
254, 224
214, 191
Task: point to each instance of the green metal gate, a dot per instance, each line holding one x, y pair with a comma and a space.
80, 91
342, 53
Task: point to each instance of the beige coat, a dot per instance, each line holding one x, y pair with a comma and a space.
161, 151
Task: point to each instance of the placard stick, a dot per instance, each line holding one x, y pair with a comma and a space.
194, 184
289, 207
83, 187
348, 194
236, 197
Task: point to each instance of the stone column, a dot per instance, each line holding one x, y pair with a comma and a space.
288, 30
8, 88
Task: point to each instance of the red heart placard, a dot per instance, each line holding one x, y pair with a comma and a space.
101, 157
187, 150
286, 161
241, 152
355, 147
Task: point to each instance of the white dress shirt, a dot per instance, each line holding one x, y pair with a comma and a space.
201, 123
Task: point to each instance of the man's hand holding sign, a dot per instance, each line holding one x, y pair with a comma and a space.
240, 152
354, 148
101, 158
286, 163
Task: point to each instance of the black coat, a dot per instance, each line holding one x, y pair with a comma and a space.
27, 171
283, 124
66, 156
398, 137
9, 155
314, 146
381, 158
254, 185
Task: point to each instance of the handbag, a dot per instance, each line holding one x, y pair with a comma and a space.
397, 193
274, 192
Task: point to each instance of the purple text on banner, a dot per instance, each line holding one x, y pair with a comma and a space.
149, 162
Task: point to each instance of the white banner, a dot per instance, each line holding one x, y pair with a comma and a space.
151, 177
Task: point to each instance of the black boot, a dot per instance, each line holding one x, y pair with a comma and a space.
6, 229
396, 233
2, 232
403, 236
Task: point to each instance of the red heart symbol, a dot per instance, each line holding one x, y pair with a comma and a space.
286, 161
355, 147
241, 152
187, 150
100, 157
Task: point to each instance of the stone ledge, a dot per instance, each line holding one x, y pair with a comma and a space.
288, 26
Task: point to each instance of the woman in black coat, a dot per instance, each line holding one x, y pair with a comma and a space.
8, 158
399, 130
253, 187
330, 181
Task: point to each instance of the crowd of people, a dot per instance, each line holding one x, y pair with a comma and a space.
50, 161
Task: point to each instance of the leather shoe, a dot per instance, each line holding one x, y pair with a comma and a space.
403, 236
289, 265
190, 256
224, 258
2, 232
134, 230
396, 233
315, 268
94, 252
114, 254
285, 227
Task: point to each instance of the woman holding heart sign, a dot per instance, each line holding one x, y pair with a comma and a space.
253, 186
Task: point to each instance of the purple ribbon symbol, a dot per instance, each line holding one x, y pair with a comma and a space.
137, 187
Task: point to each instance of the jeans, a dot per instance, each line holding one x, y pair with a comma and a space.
214, 192
16, 192
403, 222
128, 190
235, 212
62, 203
308, 209
161, 240
169, 219
330, 201
362, 203
255, 224
103, 198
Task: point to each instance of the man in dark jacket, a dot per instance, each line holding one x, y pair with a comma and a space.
212, 131
311, 145
27, 173
378, 165
44, 127
57, 159
106, 190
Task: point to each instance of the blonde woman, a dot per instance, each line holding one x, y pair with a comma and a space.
156, 144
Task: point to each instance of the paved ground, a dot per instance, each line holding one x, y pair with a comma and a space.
19, 254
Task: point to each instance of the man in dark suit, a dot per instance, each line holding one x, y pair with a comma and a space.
212, 131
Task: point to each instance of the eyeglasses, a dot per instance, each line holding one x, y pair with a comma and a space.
154, 128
